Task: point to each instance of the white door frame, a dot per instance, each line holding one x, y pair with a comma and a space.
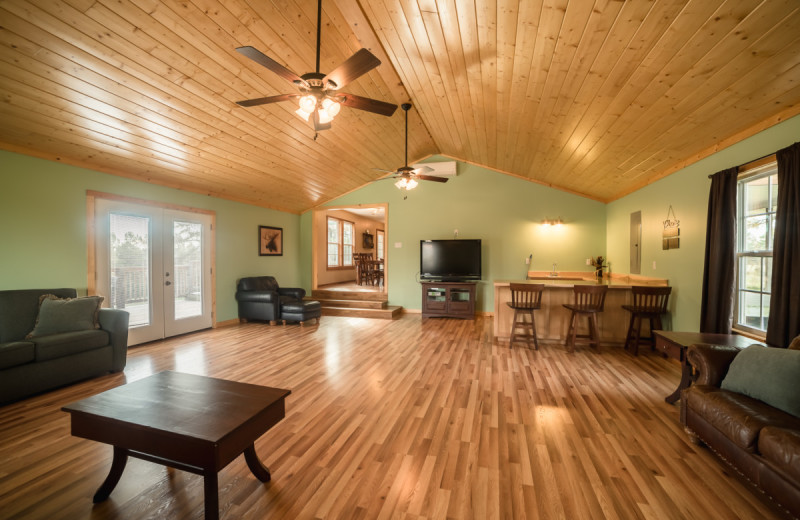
159, 212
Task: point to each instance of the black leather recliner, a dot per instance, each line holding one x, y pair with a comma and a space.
261, 298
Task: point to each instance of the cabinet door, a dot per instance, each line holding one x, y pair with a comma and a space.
435, 298
459, 300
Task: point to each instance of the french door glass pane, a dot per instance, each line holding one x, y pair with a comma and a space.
130, 267
188, 256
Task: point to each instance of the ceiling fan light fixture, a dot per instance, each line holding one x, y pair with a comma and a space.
303, 114
308, 103
324, 117
331, 107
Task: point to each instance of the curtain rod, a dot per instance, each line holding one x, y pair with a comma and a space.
751, 161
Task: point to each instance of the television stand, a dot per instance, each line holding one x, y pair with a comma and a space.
448, 300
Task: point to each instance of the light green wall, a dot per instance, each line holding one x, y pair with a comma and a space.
503, 211
43, 228
687, 192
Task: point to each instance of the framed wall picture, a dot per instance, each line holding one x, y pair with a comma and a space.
368, 240
270, 241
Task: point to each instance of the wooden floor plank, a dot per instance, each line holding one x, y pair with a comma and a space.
409, 418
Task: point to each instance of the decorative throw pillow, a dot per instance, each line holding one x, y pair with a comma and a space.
767, 374
58, 315
795, 344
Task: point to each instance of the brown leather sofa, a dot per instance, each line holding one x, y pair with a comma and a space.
760, 442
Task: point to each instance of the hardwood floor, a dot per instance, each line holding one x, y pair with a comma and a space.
396, 419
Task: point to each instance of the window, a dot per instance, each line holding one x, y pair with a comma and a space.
341, 240
757, 200
380, 236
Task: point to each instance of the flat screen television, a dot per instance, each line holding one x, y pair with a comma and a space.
450, 260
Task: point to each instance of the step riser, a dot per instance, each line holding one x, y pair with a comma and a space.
355, 304
381, 314
344, 295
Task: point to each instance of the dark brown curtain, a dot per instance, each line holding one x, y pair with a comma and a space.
719, 270
784, 309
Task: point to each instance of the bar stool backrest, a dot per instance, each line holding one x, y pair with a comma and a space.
590, 297
526, 296
650, 299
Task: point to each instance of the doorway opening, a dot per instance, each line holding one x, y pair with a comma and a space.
350, 248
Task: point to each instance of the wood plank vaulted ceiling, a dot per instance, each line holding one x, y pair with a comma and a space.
597, 98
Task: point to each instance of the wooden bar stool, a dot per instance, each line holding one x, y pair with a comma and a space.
589, 300
648, 303
525, 298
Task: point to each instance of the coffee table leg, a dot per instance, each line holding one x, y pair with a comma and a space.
117, 466
211, 495
686, 381
259, 470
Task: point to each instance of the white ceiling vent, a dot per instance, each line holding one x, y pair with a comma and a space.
440, 169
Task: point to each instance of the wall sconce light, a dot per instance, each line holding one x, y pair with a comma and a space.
552, 221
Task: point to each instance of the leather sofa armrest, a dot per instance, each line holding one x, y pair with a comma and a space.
711, 362
294, 292
258, 296
115, 322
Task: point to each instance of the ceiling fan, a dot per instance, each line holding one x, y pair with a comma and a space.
317, 92
408, 176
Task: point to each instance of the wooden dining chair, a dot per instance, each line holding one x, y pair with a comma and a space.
648, 303
589, 301
525, 298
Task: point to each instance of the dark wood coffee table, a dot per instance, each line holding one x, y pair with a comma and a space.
188, 422
674, 345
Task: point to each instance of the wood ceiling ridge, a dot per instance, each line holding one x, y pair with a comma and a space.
424, 98
525, 41
426, 106
442, 54
457, 34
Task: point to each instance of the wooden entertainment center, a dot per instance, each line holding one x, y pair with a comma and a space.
448, 300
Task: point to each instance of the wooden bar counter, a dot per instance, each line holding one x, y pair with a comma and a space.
552, 320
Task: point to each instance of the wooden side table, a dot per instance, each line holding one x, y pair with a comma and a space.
674, 344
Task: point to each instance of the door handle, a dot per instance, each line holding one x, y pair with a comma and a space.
167, 283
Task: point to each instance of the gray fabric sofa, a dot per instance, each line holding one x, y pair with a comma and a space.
31, 366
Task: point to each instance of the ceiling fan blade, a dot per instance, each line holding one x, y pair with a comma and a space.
422, 169
265, 61
353, 67
320, 126
367, 104
384, 171
431, 178
266, 100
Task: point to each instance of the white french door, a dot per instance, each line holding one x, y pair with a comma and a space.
156, 264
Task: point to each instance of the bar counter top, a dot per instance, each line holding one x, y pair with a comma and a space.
552, 319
